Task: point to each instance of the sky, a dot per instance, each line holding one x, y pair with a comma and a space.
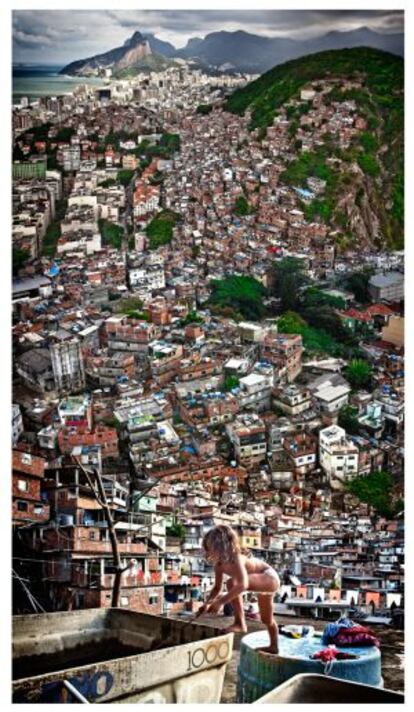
61, 36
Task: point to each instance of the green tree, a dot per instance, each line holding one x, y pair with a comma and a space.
374, 489
313, 297
240, 294
129, 304
369, 164
358, 373
242, 207
177, 529
204, 108
325, 317
289, 278
192, 318
111, 233
358, 283
314, 340
124, 176
348, 419
20, 257
160, 229
107, 183
230, 382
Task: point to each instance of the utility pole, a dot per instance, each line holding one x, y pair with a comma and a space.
98, 491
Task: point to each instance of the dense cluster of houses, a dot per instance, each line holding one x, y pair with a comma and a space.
191, 418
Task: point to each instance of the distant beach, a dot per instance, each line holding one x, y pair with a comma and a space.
34, 81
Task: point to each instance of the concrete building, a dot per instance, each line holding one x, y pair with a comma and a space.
248, 436
67, 364
28, 506
292, 400
35, 369
388, 287
129, 334
301, 452
255, 392
17, 423
251, 332
285, 352
338, 455
75, 411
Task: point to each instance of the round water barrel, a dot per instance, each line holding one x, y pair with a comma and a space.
259, 673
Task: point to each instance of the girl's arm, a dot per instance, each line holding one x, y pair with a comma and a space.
240, 581
218, 573
214, 591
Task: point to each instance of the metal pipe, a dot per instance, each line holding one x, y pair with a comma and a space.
75, 692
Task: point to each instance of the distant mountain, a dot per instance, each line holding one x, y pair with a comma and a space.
364, 198
256, 53
241, 50
132, 51
234, 51
166, 49
150, 63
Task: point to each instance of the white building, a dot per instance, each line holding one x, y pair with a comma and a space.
70, 157
255, 391
338, 455
80, 241
250, 331
147, 278
307, 95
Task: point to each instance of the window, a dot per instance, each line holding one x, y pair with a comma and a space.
92, 535
153, 599
22, 506
38, 509
124, 600
22, 485
26, 459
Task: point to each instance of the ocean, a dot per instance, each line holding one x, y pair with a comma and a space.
44, 80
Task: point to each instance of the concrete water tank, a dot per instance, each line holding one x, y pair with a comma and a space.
114, 655
259, 673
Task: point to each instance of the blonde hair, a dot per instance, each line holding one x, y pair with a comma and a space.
223, 540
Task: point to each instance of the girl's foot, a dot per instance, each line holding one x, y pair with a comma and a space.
269, 650
236, 628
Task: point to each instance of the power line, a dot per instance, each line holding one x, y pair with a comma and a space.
35, 603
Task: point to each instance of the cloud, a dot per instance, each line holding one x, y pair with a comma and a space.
65, 35
24, 39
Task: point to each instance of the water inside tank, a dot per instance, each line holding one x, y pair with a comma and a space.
307, 646
85, 654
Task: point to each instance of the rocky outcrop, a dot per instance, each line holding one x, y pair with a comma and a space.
134, 49
133, 56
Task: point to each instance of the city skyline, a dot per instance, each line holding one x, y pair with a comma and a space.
65, 35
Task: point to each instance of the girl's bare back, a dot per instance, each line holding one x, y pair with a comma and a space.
252, 565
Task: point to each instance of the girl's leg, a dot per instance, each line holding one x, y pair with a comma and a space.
266, 615
239, 625
265, 584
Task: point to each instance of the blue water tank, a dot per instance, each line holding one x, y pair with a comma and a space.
259, 673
